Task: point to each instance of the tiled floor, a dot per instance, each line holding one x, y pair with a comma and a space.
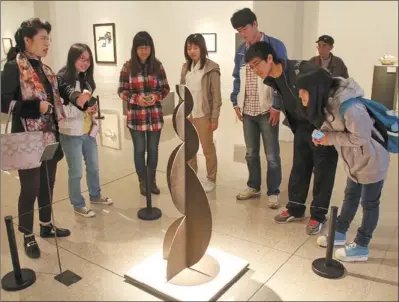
103, 248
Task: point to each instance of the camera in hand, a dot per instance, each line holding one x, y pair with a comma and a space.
92, 102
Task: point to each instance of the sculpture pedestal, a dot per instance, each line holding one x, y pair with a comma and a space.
204, 281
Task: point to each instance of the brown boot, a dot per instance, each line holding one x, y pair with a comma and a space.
141, 183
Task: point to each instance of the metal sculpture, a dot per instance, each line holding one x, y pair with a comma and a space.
187, 239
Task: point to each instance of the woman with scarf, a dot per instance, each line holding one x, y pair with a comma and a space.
143, 85
34, 87
358, 142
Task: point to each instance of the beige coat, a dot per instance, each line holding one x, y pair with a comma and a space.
366, 161
210, 88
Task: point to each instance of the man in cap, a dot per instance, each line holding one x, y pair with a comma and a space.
327, 60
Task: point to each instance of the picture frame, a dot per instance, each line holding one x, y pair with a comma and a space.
110, 129
211, 41
105, 43
7, 44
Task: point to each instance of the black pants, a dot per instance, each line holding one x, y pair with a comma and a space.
306, 157
34, 185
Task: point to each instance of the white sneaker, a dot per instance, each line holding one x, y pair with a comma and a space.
209, 186
274, 201
85, 211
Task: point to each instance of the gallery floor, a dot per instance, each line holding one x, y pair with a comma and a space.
102, 249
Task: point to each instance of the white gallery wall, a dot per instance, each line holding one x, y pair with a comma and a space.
363, 30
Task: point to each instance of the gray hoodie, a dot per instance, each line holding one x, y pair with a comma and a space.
365, 160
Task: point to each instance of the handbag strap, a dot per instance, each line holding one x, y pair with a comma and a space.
10, 113
10, 109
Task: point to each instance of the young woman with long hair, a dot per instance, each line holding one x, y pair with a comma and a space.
79, 128
202, 77
38, 105
358, 142
143, 85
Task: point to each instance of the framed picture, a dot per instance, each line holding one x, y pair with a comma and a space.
211, 42
104, 43
110, 133
7, 44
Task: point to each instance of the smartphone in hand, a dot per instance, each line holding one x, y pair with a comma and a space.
317, 134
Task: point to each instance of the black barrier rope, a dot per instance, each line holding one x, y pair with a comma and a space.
328, 267
149, 212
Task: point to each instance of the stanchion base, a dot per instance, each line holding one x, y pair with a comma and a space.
100, 117
335, 271
149, 214
9, 283
67, 278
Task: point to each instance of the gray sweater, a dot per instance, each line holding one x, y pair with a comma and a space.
365, 160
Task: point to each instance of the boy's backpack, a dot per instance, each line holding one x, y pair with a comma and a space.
385, 121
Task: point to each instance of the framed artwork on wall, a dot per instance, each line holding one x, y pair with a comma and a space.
104, 43
7, 44
211, 41
110, 133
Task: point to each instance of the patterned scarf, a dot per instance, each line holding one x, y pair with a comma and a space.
33, 89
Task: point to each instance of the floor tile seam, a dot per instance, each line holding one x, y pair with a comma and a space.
278, 269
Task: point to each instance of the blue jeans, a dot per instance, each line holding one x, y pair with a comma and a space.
254, 128
141, 145
76, 147
370, 196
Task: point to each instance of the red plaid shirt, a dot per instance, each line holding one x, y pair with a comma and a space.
131, 87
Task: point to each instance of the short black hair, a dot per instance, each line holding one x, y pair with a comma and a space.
242, 18
261, 50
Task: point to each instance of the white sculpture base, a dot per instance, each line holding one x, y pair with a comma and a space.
193, 284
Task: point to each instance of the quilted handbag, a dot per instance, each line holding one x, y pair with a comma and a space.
22, 150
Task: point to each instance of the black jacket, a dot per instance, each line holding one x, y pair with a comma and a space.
288, 102
68, 92
11, 91
23, 109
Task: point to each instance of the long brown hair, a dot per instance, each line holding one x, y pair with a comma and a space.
198, 40
143, 38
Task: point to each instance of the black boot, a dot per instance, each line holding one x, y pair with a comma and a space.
48, 231
31, 247
141, 183
154, 188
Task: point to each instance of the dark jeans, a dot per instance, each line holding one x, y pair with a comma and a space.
370, 195
140, 147
306, 157
254, 128
34, 185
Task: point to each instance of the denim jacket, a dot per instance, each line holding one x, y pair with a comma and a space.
239, 62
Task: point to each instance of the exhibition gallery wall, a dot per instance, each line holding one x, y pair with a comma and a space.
363, 32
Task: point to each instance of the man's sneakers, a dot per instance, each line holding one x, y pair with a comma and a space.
314, 227
274, 201
248, 193
285, 217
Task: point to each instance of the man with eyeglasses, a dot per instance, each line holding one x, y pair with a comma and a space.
252, 103
281, 75
327, 60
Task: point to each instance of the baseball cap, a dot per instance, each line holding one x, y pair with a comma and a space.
326, 39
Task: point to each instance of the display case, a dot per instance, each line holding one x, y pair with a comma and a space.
384, 87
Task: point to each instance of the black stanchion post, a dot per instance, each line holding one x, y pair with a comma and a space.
18, 278
149, 212
328, 267
99, 116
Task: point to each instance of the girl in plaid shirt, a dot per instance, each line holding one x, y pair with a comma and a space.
143, 85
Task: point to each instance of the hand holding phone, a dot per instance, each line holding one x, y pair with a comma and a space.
317, 135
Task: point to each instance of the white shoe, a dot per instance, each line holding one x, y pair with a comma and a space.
85, 211
209, 186
274, 201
